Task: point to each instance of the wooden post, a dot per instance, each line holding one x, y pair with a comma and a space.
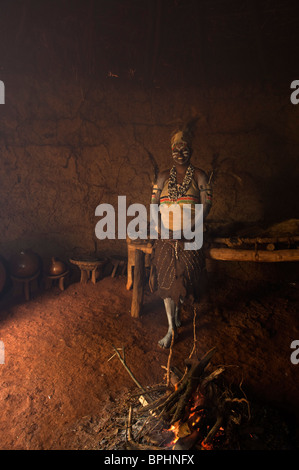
138, 284
131, 259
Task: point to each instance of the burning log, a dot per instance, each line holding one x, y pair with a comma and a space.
193, 414
212, 417
213, 431
173, 406
199, 409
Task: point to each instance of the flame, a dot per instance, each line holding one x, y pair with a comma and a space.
206, 445
198, 401
175, 429
193, 423
196, 420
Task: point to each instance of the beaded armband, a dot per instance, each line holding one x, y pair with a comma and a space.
209, 193
155, 191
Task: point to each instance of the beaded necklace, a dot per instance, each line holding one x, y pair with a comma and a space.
176, 191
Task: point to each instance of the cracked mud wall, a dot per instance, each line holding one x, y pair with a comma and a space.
68, 146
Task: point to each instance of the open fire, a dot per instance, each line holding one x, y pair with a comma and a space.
191, 431
200, 412
203, 408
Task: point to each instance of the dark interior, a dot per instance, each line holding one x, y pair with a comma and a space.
93, 91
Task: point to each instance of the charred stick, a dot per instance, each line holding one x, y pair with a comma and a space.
187, 387
182, 403
190, 381
171, 399
214, 430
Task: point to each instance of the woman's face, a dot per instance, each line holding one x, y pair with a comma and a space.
181, 153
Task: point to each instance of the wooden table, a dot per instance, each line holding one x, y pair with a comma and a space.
89, 268
138, 257
137, 253
140, 245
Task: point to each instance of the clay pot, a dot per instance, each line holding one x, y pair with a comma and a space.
24, 264
56, 267
2, 276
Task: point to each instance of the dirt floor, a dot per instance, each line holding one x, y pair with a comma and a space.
60, 385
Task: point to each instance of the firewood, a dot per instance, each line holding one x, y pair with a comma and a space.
214, 430
175, 403
199, 406
192, 379
175, 376
182, 403
212, 376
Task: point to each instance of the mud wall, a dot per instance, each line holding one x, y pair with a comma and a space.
67, 146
